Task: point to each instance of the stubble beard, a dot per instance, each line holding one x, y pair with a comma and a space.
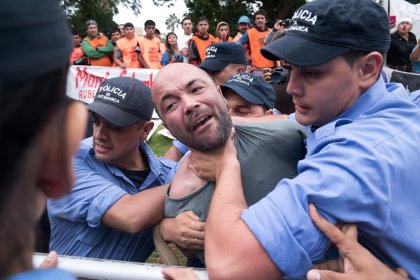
222, 134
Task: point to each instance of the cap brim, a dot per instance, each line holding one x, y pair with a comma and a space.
301, 52
112, 114
213, 65
251, 98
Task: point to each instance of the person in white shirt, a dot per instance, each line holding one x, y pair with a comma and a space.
183, 39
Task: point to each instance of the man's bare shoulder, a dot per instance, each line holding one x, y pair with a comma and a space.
185, 181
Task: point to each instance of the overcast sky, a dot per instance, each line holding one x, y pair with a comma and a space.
158, 14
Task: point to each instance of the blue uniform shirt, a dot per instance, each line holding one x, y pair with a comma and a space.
76, 219
364, 168
42, 274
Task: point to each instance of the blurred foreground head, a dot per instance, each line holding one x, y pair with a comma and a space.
35, 134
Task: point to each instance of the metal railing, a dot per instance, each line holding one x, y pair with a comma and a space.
110, 270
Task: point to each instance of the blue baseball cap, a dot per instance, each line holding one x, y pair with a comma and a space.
324, 29
123, 101
253, 89
219, 55
244, 19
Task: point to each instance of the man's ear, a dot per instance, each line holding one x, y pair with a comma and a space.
269, 112
240, 69
147, 127
370, 67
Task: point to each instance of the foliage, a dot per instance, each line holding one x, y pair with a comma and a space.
159, 143
102, 11
172, 22
230, 11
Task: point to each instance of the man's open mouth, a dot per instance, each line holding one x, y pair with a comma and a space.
201, 122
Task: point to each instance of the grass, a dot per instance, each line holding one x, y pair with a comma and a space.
159, 143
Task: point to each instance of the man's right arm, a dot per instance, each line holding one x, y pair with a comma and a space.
118, 58
133, 213
97, 200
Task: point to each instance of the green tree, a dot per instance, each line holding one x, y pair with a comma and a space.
172, 22
230, 11
102, 11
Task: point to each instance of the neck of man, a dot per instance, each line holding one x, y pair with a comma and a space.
261, 29
136, 161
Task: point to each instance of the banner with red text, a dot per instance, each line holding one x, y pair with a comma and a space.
83, 81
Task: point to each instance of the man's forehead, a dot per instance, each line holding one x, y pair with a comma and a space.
162, 87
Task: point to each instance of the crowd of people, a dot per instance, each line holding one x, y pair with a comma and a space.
125, 49
246, 191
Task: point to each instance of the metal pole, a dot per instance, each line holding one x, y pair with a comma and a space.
111, 270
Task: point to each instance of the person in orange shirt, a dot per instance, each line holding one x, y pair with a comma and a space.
96, 46
199, 42
223, 33
127, 51
77, 52
254, 38
150, 46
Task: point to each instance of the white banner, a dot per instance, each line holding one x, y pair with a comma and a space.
402, 9
83, 81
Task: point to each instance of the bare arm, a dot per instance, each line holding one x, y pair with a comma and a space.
143, 63
415, 56
232, 251
173, 153
118, 58
133, 213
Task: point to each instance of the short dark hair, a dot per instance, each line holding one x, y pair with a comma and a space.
128, 24
184, 19
353, 55
157, 31
202, 18
149, 22
260, 12
115, 30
